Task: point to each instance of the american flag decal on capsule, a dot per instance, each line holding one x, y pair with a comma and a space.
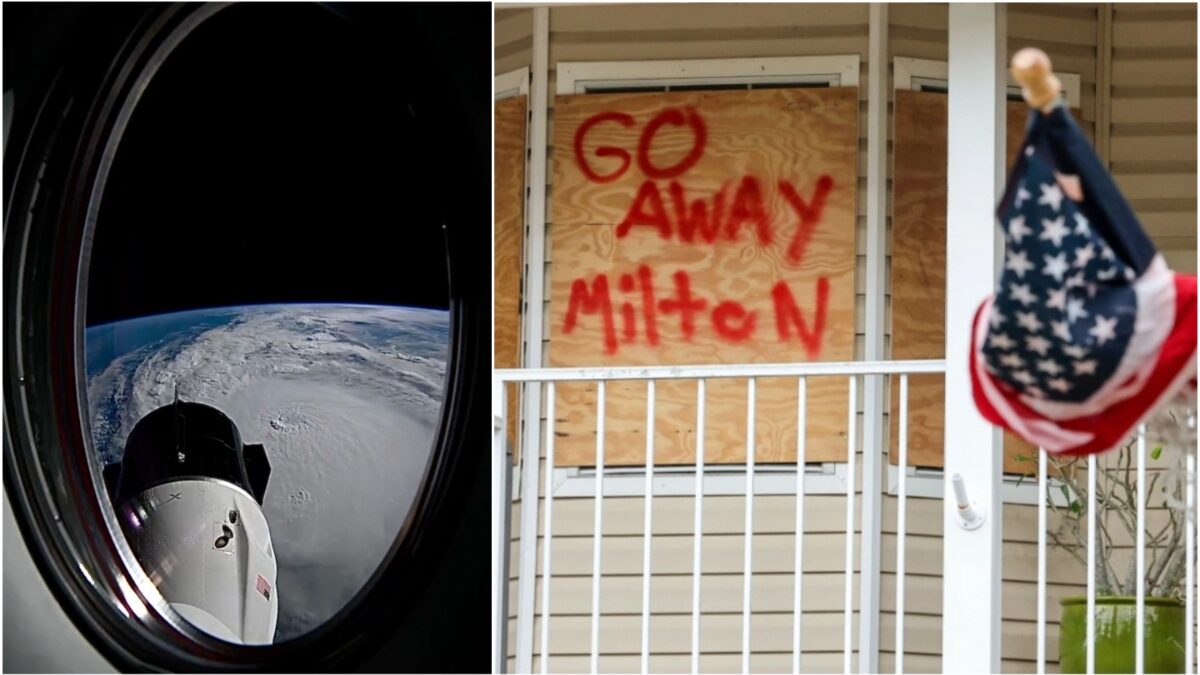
263, 587
1088, 330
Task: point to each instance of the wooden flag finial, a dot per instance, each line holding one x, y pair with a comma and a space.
1031, 69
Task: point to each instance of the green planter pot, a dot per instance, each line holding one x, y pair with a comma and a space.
1116, 629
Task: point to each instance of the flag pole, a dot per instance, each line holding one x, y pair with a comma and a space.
1039, 86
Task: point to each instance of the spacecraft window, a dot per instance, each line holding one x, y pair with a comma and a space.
252, 208
266, 339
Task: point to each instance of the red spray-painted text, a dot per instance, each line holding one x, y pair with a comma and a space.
632, 310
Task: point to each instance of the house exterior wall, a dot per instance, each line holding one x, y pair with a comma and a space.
1153, 121
1151, 69
512, 40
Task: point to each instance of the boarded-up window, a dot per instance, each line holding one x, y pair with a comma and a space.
919, 271
703, 227
509, 194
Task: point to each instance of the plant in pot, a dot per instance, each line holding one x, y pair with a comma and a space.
1170, 438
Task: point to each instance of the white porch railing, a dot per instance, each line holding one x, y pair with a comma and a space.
1183, 442
530, 479
532, 476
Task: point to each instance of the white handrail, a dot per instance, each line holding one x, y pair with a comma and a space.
739, 370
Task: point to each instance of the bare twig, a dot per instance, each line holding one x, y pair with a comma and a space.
1116, 498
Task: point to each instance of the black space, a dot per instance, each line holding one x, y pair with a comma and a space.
273, 158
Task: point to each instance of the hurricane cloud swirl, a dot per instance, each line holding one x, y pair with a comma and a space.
345, 399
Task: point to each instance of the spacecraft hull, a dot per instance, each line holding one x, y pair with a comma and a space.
189, 497
205, 544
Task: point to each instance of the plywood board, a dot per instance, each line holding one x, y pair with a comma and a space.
509, 194
919, 271
639, 180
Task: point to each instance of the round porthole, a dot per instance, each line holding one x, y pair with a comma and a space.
245, 344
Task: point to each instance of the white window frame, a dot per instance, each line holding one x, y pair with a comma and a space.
510, 84
927, 482
909, 73
581, 77
719, 479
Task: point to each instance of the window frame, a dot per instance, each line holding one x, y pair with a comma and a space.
510, 84
928, 482
910, 73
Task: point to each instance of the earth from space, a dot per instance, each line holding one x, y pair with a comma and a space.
345, 399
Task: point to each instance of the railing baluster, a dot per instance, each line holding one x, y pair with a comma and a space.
850, 481
598, 524
797, 604
901, 524
1140, 647
698, 526
527, 558
647, 525
1190, 557
501, 510
548, 536
748, 541
1091, 566
1042, 487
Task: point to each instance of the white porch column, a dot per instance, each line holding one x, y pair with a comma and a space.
531, 408
975, 178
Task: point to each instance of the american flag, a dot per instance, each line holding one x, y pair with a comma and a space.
263, 587
1088, 330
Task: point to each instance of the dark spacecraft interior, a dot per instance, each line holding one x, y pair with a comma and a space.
266, 227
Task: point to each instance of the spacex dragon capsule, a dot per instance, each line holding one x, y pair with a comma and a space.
189, 496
